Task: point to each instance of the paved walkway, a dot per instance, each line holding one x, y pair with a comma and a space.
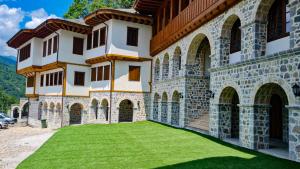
17, 143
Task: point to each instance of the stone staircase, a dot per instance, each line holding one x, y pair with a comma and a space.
201, 123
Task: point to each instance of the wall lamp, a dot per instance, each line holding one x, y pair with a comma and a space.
211, 94
296, 90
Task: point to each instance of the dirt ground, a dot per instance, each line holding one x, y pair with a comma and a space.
17, 143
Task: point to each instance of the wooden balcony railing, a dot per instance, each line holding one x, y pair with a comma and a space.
195, 15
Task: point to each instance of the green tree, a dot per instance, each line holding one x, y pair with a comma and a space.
81, 8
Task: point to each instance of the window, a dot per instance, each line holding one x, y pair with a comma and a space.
102, 36
96, 39
89, 42
175, 8
30, 81
55, 78
106, 72
132, 36
134, 73
44, 48
93, 74
55, 43
24, 53
42, 81
235, 41
278, 21
79, 78
51, 79
77, 46
167, 14
47, 79
60, 78
184, 4
49, 46
100, 73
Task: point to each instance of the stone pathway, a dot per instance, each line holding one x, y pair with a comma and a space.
17, 143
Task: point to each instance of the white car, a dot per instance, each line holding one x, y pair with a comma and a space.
3, 124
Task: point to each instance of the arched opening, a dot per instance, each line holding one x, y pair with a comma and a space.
164, 108
104, 107
165, 72
229, 114
155, 107
25, 110
16, 113
126, 111
176, 62
157, 70
175, 109
40, 111
45, 111
271, 117
58, 111
51, 112
198, 77
75, 113
231, 40
94, 109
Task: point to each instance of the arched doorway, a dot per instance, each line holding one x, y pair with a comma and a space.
164, 108
16, 113
94, 109
75, 113
271, 117
229, 114
126, 111
155, 107
175, 109
104, 107
25, 110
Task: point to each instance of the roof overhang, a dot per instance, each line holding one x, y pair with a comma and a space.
102, 15
147, 6
46, 28
110, 57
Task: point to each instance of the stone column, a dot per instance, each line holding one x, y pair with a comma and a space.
246, 124
225, 121
214, 120
159, 112
261, 126
294, 6
169, 115
294, 131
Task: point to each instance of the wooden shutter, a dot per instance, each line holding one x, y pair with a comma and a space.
60, 78
235, 41
42, 81
89, 42
100, 73
30, 81
44, 48
102, 36
25, 53
49, 46
132, 36
93, 74
106, 72
79, 78
55, 78
96, 38
55, 43
134, 73
78, 46
47, 79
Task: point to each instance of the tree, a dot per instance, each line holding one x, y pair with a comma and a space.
81, 8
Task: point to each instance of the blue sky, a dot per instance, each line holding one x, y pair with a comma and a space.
18, 14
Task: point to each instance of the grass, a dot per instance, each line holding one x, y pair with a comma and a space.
144, 145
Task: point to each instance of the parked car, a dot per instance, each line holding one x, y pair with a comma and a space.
7, 118
3, 124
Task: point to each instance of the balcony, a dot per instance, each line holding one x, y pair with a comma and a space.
196, 14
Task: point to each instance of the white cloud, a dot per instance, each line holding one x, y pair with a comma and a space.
10, 19
37, 17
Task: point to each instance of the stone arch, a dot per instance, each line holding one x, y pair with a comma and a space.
176, 62
157, 70
94, 108
126, 111
104, 108
261, 10
76, 113
165, 67
271, 116
229, 114
164, 108
155, 107
230, 40
16, 112
175, 111
25, 110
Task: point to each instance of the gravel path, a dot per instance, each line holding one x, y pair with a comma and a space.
17, 143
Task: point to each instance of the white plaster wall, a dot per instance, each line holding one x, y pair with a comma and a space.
29, 90
48, 90
101, 85
36, 53
279, 45
122, 75
77, 90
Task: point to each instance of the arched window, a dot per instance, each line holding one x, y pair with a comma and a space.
235, 40
165, 73
176, 62
278, 20
157, 70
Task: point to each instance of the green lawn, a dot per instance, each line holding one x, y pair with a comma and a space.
144, 145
